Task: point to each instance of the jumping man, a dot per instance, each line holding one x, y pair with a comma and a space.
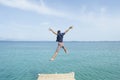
60, 41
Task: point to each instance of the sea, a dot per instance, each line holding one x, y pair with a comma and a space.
90, 60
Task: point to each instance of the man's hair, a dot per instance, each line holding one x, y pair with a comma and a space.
58, 31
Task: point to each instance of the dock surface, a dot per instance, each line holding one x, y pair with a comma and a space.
60, 76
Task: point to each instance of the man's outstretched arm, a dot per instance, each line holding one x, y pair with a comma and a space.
52, 31
68, 29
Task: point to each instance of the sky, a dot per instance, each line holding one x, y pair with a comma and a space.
29, 20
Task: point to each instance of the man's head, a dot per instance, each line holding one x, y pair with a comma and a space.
58, 31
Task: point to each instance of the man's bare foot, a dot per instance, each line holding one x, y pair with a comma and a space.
52, 59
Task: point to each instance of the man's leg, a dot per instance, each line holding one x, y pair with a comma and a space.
56, 53
64, 49
62, 46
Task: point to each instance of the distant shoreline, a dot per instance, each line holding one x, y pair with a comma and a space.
55, 41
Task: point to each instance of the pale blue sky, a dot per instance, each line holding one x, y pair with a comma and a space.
29, 20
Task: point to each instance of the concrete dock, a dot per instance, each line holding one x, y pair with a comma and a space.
60, 76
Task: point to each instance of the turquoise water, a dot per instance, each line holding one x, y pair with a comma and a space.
89, 60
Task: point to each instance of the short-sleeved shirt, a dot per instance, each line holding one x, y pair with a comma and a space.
60, 37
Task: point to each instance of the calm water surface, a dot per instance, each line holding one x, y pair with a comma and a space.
89, 60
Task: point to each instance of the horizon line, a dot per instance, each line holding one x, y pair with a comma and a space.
55, 41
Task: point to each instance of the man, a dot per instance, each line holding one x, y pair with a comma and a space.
60, 41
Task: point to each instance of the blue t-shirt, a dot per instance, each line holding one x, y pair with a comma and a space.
60, 37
